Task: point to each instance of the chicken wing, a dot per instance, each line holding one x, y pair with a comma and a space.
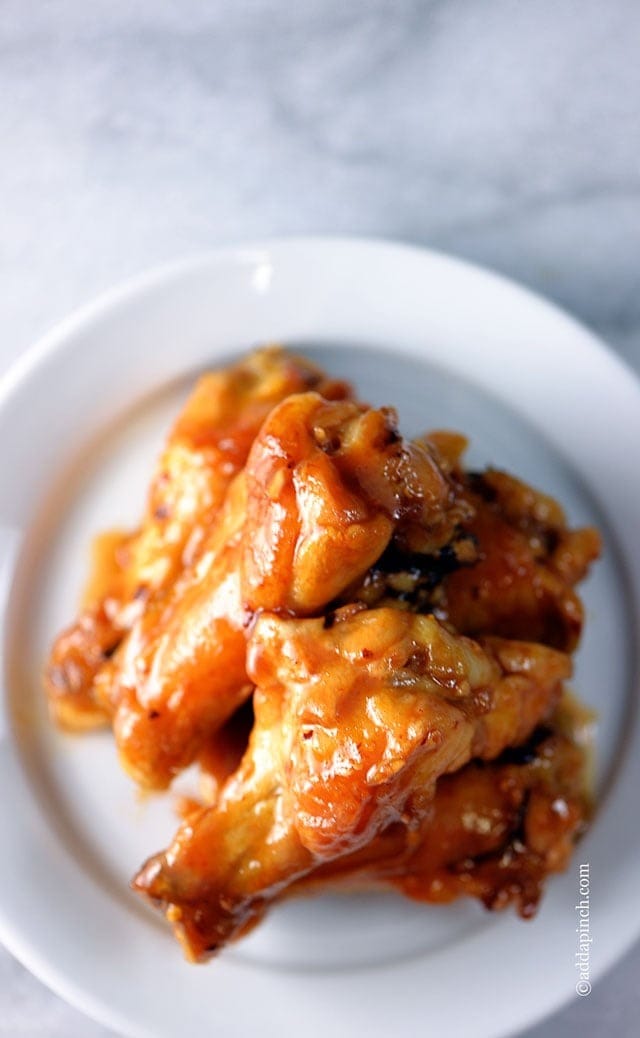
494, 831
207, 447
521, 585
325, 487
355, 721
509, 571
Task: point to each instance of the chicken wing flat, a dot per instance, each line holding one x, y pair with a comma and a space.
325, 487
354, 725
206, 448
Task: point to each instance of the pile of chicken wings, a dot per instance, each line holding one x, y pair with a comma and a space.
361, 645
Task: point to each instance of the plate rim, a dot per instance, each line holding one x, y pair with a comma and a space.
152, 277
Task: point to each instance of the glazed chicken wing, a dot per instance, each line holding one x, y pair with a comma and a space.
510, 570
521, 585
354, 723
494, 830
325, 487
207, 447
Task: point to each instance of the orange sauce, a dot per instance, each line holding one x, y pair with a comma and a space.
105, 573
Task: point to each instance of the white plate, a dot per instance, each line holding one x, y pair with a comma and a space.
80, 421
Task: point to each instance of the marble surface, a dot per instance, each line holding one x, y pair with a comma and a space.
133, 133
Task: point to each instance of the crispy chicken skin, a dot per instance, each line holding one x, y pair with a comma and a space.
206, 448
325, 487
354, 724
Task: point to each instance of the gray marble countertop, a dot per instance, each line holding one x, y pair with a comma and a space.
507, 132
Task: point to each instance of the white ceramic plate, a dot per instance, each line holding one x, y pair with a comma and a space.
80, 422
